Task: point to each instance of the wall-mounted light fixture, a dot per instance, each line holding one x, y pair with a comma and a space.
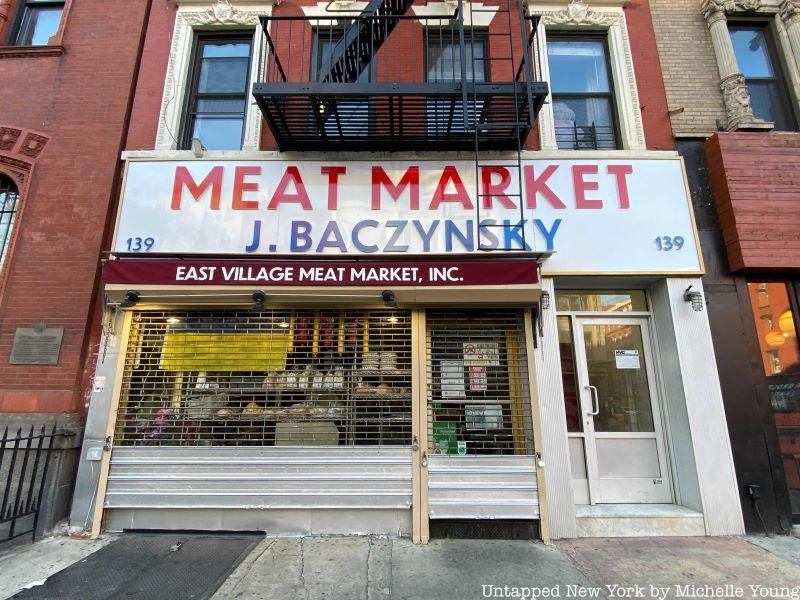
544, 301
130, 299
259, 296
695, 297
389, 299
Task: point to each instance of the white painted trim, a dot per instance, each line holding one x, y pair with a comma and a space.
604, 17
187, 155
480, 19
203, 16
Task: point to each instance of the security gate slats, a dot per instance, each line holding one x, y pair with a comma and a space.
480, 428
267, 378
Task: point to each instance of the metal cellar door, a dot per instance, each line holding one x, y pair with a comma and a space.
480, 446
277, 420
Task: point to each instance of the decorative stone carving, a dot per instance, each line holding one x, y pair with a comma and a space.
737, 102
578, 12
789, 12
222, 13
8, 138
713, 11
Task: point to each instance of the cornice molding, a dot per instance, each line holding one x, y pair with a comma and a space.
578, 13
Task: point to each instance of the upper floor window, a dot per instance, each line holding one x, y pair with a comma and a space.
9, 199
36, 22
758, 62
583, 96
217, 102
443, 56
443, 65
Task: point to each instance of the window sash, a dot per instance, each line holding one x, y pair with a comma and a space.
586, 136
24, 25
785, 118
193, 115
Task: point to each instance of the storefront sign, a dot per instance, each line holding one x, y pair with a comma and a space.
597, 216
322, 273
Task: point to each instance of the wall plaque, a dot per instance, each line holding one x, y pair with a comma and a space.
38, 345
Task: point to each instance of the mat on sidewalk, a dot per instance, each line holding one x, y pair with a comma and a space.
141, 566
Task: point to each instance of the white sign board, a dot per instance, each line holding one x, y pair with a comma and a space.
627, 359
597, 216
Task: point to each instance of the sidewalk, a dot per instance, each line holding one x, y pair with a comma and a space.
378, 569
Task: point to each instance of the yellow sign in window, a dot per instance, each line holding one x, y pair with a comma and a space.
192, 351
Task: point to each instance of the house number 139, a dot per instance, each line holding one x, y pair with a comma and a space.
666, 243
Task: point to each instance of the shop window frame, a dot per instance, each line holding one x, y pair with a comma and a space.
779, 64
192, 95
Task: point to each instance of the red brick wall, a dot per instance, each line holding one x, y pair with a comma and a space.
756, 184
79, 100
152, 74
649, 80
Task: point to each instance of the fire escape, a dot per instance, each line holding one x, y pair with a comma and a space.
403, 75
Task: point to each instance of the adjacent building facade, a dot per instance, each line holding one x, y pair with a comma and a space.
732, 81
404, 268
64, 108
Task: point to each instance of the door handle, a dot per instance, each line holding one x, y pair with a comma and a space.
595, 400
415, 444
424, 461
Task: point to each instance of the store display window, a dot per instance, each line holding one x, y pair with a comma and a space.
775, 328
267, 378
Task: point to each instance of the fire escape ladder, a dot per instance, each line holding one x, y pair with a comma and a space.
507, 229
362, 39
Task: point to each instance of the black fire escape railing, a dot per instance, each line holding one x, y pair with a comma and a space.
389, 79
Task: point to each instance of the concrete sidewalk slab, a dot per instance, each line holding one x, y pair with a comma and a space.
379, 569
699, 562
22, 566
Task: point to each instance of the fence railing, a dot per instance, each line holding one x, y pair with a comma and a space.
586, 137
24, 461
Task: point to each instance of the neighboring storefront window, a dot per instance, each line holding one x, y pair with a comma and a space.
775, 328
601, 301
267, 378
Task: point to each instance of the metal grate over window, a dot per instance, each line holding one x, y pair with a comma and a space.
9, 200
268, 378
478, 393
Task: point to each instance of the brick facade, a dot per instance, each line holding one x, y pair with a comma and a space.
76, 102
689, 67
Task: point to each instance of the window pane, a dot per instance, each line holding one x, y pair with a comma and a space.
601, 301
39, 25
584, 123
231, 50
752, 51
223, 75
219, 133
205, 105
775, 328
766, 99
569, 375
578, 66
8, 210
444, 58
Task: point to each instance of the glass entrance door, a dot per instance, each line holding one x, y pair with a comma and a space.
622, 438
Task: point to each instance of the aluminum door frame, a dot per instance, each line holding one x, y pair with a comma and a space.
589, 435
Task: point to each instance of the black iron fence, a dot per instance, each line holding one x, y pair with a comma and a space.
24, 461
